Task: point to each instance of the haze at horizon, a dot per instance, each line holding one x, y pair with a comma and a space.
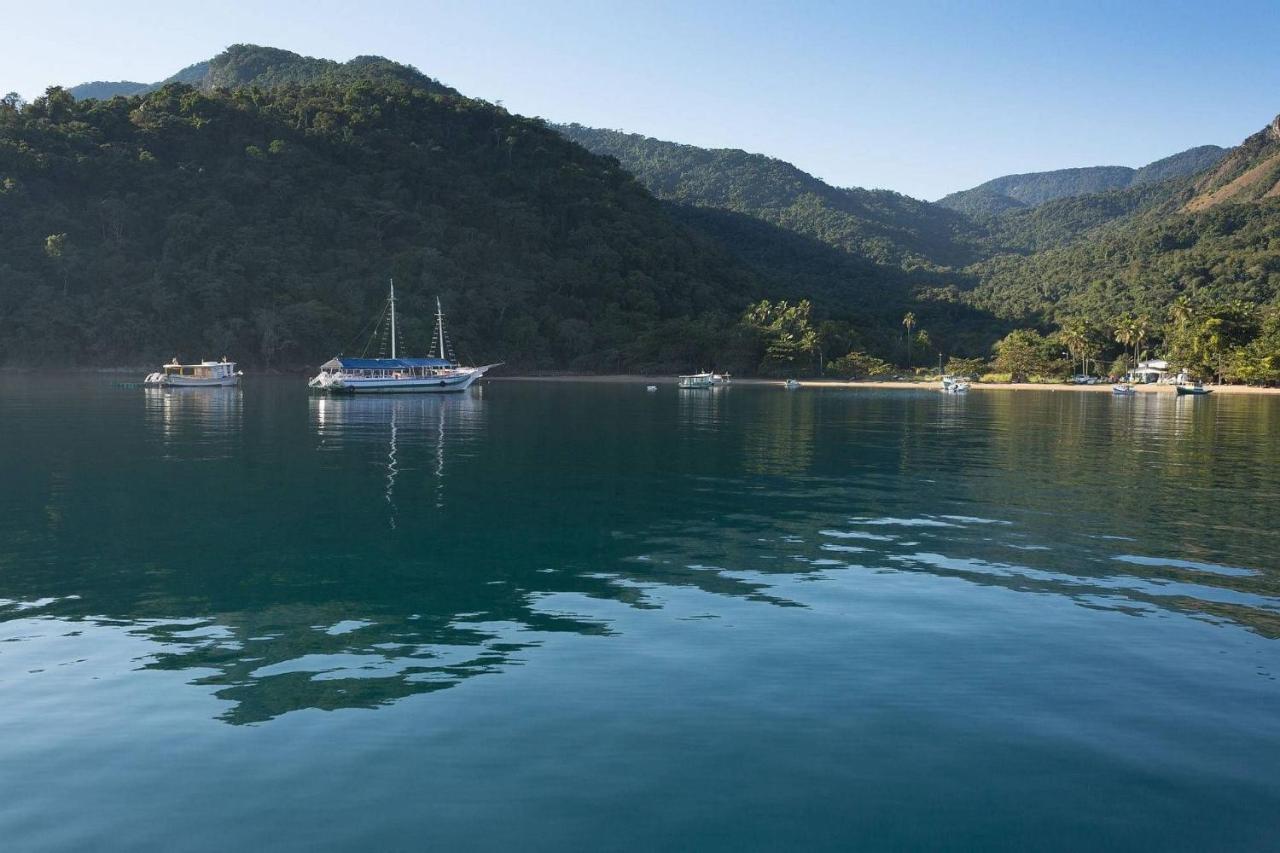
919, 100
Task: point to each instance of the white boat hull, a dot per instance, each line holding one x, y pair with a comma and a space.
445, 384
170, 381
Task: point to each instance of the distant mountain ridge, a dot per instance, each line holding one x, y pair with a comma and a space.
1016, 192
882, 225
1250, 173
253, 65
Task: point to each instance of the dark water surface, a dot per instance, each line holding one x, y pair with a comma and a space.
579, 616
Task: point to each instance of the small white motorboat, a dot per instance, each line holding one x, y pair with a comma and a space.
204, 374
955, 386
651, 388
1125, 390
720, 379
791, 384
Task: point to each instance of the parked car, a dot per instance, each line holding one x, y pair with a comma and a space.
1083, 379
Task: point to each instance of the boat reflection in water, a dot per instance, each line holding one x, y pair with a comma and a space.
207, 421
405, 433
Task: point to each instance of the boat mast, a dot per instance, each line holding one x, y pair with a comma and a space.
440, 327
393, 317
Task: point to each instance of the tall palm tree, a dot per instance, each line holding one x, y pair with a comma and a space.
1180, 312
1126, 332
1141, 331
909, 320
1075, 337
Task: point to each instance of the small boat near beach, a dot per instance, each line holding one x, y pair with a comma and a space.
954, 385
1123, 390
437, 374
791, 384
203, 374
1196, 390
696, 380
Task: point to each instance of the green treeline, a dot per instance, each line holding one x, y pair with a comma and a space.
264, 225
257, 203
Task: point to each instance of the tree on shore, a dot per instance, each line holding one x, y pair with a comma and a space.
909, 320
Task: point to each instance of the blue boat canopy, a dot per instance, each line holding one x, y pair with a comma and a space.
348, 363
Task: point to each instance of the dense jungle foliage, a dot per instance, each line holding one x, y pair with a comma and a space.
257, 206
266, 224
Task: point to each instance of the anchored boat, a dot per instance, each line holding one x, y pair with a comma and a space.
432, 375
697, 380
204, 374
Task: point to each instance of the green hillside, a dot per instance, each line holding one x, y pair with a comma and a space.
883, 226
246, 65
1014, 192
1251, 172
265, 226
265, 223
104, 89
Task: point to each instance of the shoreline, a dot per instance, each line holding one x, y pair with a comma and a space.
666, 380
670, 381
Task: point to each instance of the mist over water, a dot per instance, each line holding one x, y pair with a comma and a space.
550, 615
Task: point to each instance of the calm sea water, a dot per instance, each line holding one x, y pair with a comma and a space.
579, 616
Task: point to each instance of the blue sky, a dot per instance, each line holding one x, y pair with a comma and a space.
923, 98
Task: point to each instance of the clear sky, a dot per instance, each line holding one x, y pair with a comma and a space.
923, 98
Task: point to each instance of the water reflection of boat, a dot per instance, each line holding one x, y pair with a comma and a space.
404, 426
213, 413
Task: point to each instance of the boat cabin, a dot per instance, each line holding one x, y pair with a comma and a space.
203, 370
387, 368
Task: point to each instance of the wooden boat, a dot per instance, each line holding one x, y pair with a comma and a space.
695, 380
1192, 390
436, 374
203, 374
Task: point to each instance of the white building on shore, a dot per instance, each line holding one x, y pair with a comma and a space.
1156, 371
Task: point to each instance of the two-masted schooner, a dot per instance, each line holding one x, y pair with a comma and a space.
433, 375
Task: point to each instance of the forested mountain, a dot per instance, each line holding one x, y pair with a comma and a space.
265, 67
257, 206
266, 225
1249, 173
103, 89
1014, 192
884, 226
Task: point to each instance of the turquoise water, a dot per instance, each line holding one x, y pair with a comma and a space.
579, 616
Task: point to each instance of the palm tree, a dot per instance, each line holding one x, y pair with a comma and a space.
1126, 332
909, 320
1075, 337
1180, 312
1141, 329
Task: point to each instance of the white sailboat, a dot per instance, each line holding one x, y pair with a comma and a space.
436, 374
